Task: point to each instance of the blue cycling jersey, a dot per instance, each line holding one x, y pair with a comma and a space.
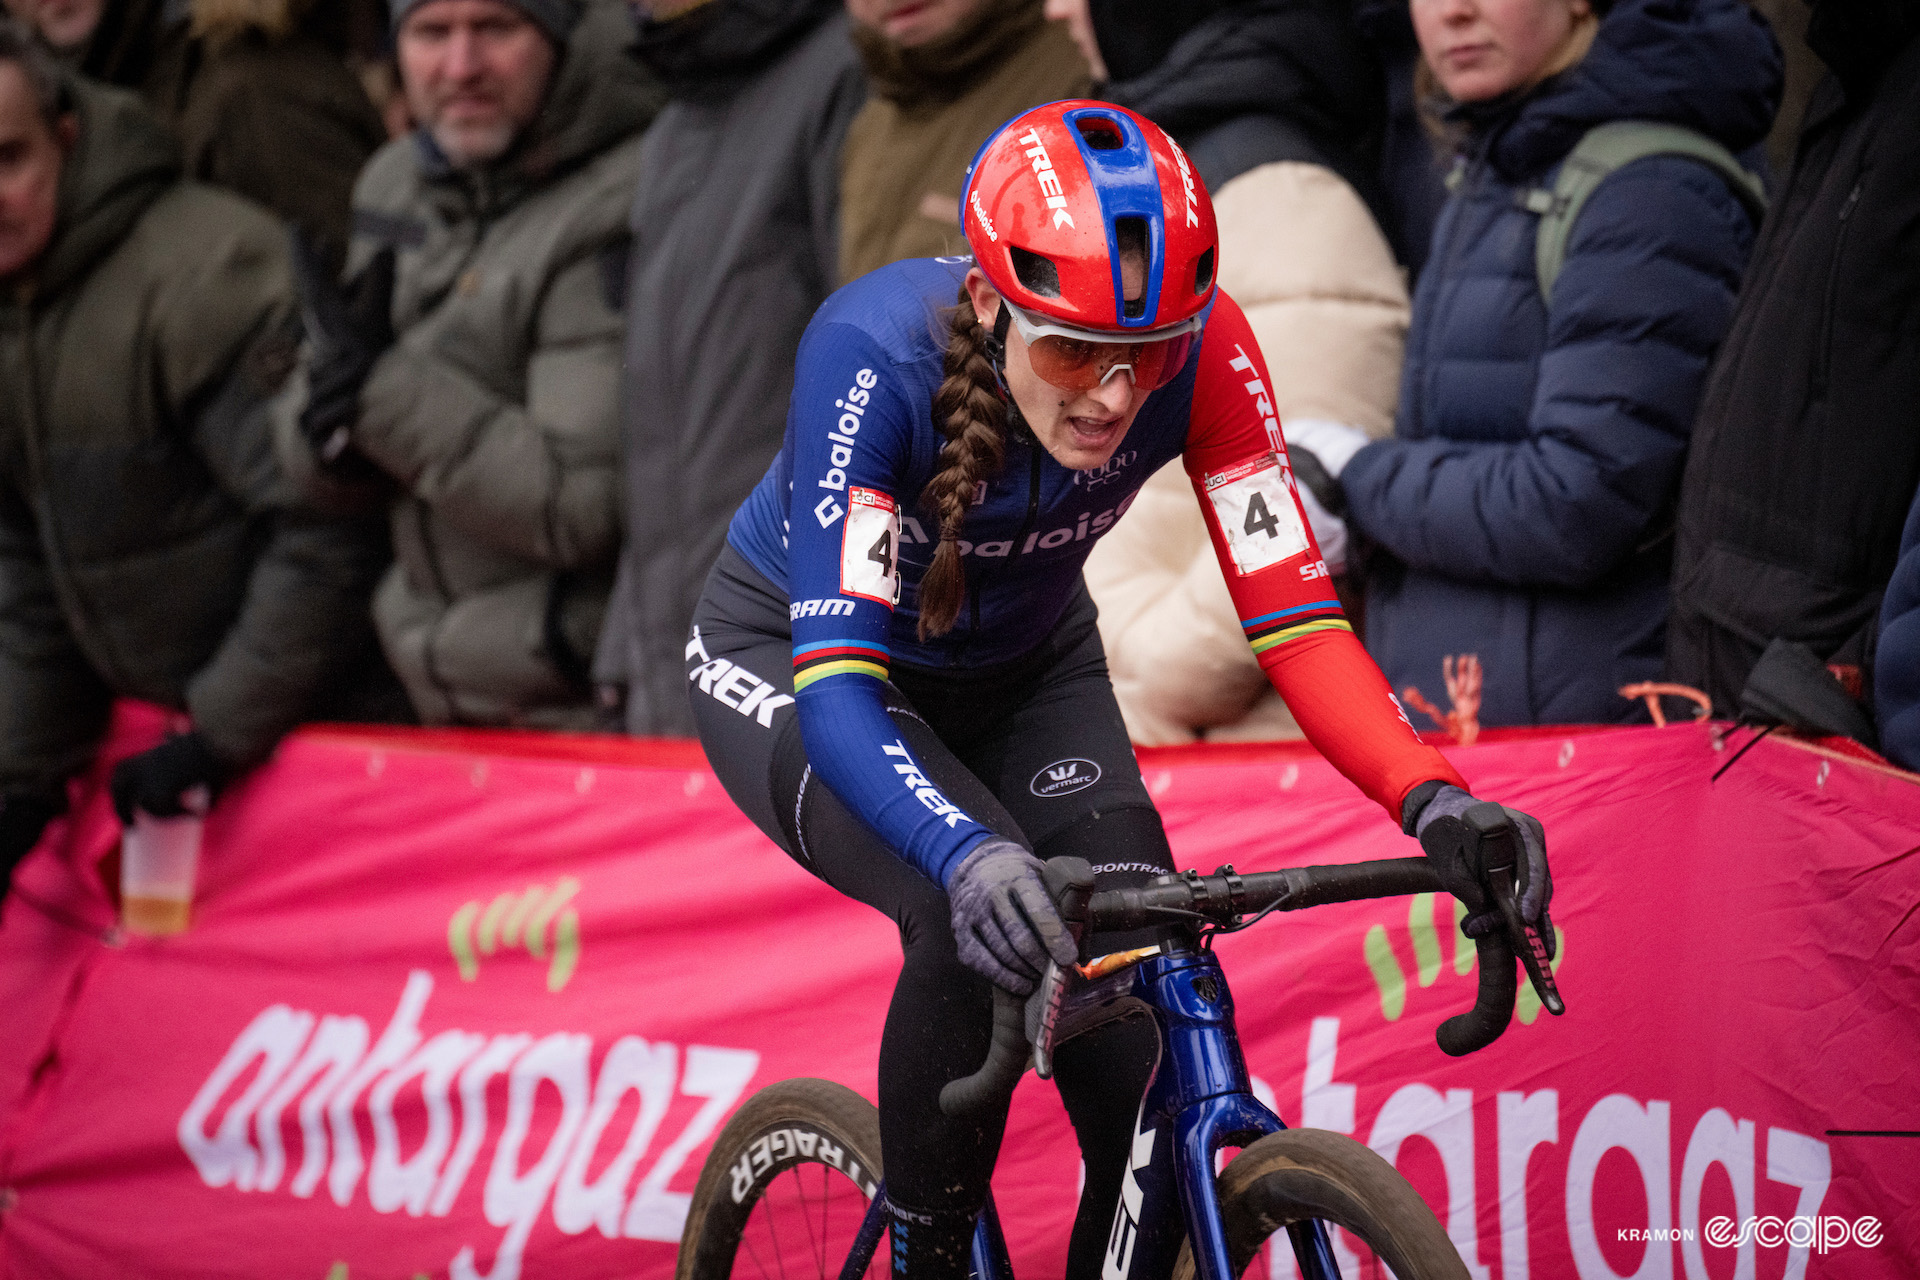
861, 417
861, 424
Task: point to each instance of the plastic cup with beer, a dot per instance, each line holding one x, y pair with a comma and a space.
159, 858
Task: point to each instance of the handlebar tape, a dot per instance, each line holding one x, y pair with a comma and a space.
1481, 1025
1069, 883
977, 1095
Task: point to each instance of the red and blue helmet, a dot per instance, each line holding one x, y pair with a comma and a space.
1048, 200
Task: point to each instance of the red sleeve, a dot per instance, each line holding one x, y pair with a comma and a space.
1237, 461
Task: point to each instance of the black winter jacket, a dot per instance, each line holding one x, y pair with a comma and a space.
1413, 165
1259, 82
1806, 453
735, 244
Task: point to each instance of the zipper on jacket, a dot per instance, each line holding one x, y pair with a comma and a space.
1823, 354
1462, 182
1019, 548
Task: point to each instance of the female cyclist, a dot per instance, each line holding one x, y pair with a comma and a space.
895, 667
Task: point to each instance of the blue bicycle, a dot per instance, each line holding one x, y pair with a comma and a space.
794, 1184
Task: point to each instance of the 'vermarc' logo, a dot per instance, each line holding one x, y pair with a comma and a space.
1064, 777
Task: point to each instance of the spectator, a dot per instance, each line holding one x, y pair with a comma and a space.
149, 546
260, 103
941, 76
1807, 453
1412, 171
1274, 102
1896, 685
1526, 504
486, 382
729, 262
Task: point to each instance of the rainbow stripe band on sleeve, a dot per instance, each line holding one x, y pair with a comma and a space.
817, 661
1271, 630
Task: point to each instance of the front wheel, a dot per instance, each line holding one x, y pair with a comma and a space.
1296, 1174
786, 1186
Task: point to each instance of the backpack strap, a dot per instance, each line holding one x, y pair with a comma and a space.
1596, 156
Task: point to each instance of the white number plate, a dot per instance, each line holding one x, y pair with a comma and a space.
870, 547
1256, 511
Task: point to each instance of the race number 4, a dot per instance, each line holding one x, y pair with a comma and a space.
1256, 511
870, 547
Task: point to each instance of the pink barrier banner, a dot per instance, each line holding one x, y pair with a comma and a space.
464, 1005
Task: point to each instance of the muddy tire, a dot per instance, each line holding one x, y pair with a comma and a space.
784, 1189
1296, 1174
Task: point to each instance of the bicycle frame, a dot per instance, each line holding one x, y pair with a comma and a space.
1199, 1100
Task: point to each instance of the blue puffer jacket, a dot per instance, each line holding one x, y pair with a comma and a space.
1526, 502
1896, 663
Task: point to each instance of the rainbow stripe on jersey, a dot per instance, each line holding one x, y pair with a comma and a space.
823, 658
1271, 630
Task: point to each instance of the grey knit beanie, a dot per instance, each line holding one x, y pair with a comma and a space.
555, 17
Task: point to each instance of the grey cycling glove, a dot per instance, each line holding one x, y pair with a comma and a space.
1003, 921
1447, 847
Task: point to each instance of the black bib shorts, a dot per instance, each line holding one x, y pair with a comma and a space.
1034, 749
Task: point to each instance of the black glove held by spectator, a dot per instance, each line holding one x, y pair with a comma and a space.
1453, 847
22, 819
348, 329
157, 780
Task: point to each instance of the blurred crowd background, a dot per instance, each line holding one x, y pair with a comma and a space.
406, 362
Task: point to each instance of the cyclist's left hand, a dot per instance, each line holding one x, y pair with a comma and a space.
1452, 847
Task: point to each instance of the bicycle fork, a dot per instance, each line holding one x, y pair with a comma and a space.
1201, 1099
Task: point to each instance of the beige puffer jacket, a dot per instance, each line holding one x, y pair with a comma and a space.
497, 410
1302, 255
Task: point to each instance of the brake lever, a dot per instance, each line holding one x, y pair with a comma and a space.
1527, 945
1053, 987
1500, 851
1069, 882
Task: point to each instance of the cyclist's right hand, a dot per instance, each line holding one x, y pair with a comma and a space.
1004, 923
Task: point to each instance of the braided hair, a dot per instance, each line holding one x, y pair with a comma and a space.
972, 416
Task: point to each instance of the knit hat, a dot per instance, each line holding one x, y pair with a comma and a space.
555, 17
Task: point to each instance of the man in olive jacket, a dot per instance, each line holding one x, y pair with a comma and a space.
474, 358
150, 546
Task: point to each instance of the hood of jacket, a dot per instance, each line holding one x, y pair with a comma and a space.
599, 97
122, 162
1858, 39
724, 41
1297, 59
1710, 65
942, 70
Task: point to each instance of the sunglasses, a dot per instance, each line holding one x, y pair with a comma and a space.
1068, 360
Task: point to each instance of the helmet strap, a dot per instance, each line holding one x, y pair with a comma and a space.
996, 346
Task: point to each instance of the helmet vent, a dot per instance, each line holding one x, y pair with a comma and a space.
1099, 133
1130, 238
1035, 273
1203, 272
